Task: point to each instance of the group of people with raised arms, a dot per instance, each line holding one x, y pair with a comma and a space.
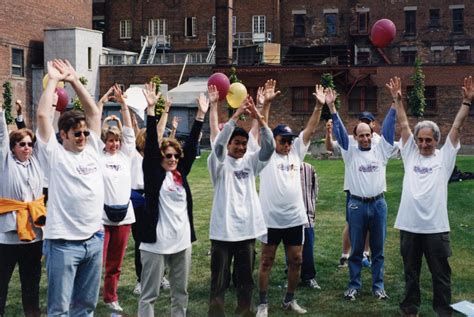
90, 168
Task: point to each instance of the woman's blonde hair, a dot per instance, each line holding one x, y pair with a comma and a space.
111, 131
140, 140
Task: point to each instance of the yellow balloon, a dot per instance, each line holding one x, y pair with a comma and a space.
46, 79
237, 93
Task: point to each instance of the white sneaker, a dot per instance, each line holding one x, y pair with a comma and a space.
114, 306
293, 306
262, 310
138, 289
165, 284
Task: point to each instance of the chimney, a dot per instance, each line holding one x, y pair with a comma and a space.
224, 36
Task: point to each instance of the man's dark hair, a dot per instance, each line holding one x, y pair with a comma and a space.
70, 119
239, 132
355, 128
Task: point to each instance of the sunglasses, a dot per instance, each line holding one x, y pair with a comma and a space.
77, 134
23, 144
169, 156
286, 141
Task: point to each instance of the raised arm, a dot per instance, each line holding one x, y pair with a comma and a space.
213, 94
151, 151
93, 115
313, 122
259, 106
108, 95
328, 137
268, 144
270, 94
43, 114
339, 129
160, 128
395, 88
174, 126
191, 144
467, 99
19, 120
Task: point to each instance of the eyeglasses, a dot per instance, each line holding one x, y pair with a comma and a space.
284, 141
86, 133
23, 144
169, 156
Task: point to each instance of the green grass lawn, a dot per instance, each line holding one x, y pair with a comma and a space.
329, 224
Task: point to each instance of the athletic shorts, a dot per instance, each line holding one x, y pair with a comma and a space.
289, 236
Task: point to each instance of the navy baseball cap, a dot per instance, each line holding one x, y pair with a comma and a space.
283, 130
367, 116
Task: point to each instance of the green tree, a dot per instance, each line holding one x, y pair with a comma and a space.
7, 101
416, 96
328, 82
234, 79
160, 104
76, 103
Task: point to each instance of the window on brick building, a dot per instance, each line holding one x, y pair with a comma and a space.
363, 98
126, 29
458, 20
331, 24
408, 57
410, 22
430, 98
157, 27
18, 68
299, 29
190, 27
363, 58
463, 55
234, 25
434, 18
436, 56
303, 101
258, 28
363, 22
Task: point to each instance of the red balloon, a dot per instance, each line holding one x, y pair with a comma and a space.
63, 99
383, 32
221, 82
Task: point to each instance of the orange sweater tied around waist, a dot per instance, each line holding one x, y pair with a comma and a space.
36, 209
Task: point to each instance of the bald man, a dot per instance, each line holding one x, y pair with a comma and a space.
365, 161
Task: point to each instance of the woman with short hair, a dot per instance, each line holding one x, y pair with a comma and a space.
22, 212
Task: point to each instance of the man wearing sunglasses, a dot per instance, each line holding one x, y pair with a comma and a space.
73, 232
283, 207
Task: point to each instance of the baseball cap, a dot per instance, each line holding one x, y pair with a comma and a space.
283, 130
366, 115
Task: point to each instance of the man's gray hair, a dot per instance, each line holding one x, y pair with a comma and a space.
430, 125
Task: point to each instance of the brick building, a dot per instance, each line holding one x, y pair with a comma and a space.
21, 37
316, 37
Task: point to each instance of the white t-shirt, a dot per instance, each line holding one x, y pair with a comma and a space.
366, 169
76, 189
117, 178
137, 170
280, 188
423, 206
236, 213
173, 230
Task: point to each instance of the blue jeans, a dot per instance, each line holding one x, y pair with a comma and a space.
363, 217
74, 270
308, 271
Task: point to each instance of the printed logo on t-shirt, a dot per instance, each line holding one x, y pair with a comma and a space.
115, 167
422, 170
243, 174
370, 168
287, 167
86, 170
